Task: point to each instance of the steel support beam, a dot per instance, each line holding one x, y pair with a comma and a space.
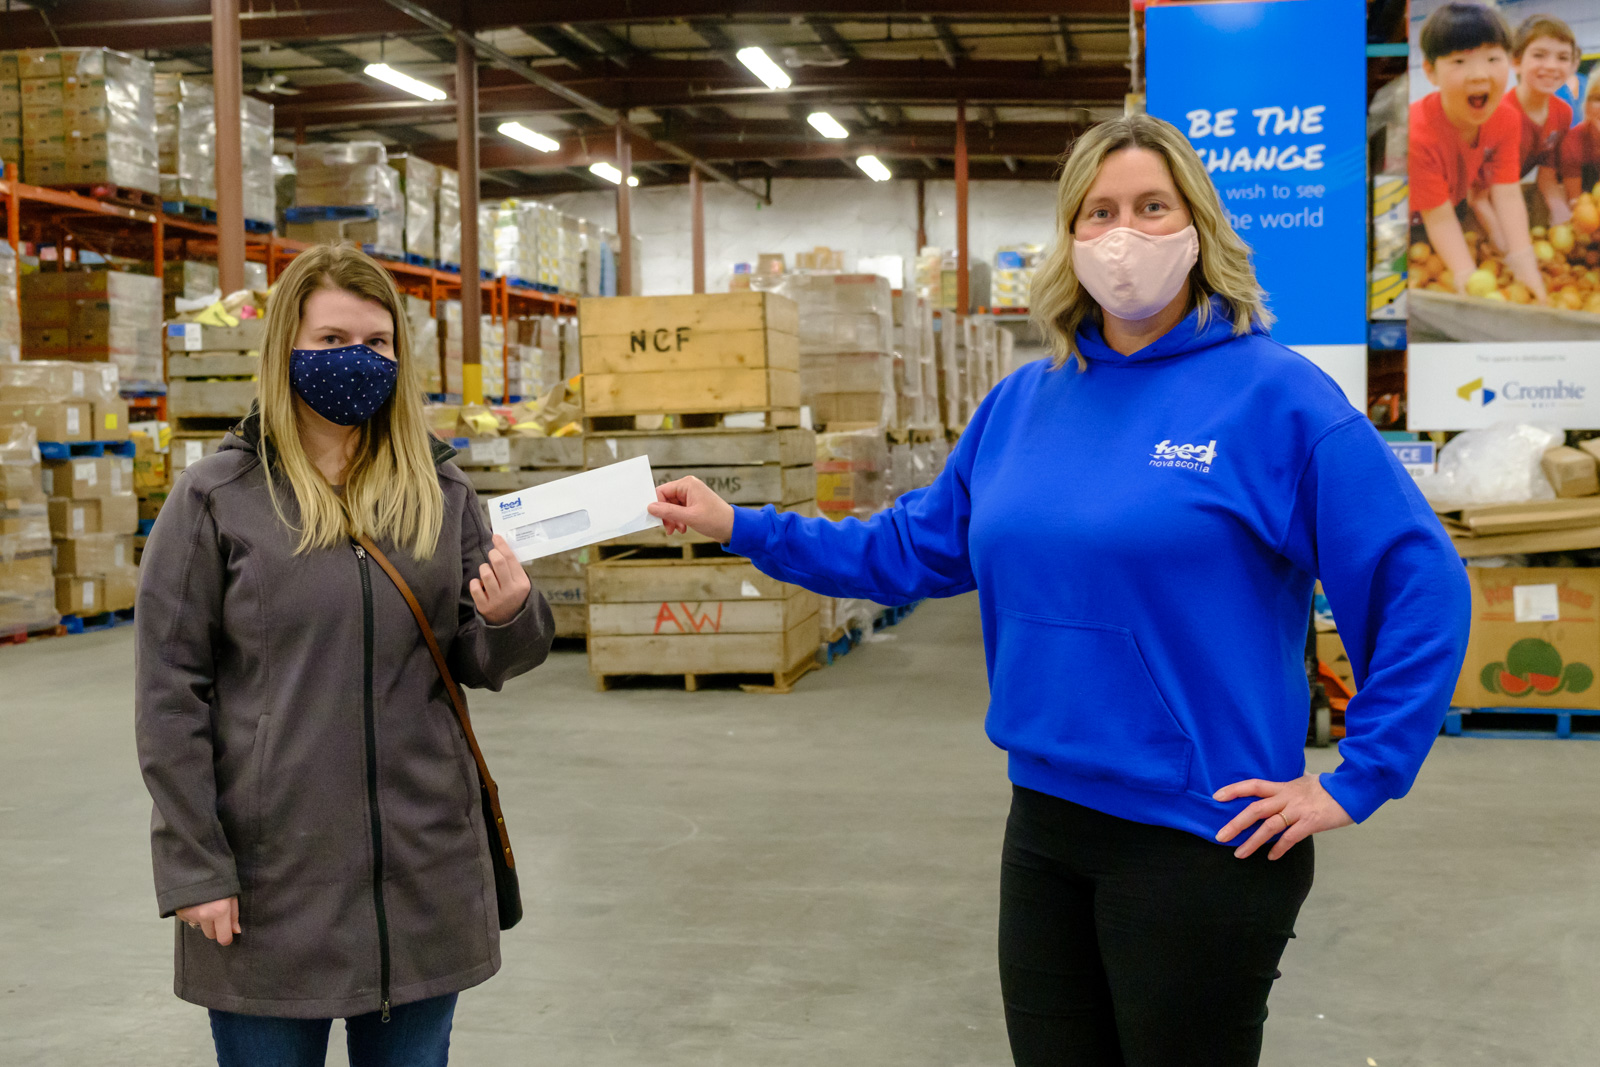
624, 214
467, 165
963, 281
697, 228
227, 79
544, 81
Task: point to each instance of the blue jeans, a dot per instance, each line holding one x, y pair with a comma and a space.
416, 1035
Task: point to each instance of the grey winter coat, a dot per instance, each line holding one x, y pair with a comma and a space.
337, 800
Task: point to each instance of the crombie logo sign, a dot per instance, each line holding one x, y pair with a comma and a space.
1187, 457
1536, 393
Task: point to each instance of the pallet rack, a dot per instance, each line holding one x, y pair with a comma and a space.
133, 228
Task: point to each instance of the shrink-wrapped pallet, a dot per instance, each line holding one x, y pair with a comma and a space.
88, 118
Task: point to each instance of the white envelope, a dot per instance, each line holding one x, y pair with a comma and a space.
581, 510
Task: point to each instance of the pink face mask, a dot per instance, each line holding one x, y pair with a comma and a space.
1133, 274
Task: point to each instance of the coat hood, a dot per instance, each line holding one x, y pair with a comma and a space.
1184, 339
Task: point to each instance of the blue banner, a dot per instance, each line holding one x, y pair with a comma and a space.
1273, 96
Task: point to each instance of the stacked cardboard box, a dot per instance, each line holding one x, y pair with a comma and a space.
64, 400
424, 344
488, 217
853, 473
152, 479
88, 117
101, 315
27, 588
419, 185
187, 279
350, 174
449, 218
93, 517
847, 365
1012, 279
10, 112
255, 147
10, 312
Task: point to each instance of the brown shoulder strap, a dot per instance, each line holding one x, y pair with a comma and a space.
451, 688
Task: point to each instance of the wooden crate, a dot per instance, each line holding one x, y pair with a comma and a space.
211, 385
689, 543
743, 466
691, 618
700, 355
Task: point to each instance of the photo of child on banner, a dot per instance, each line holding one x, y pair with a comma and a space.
1505, 205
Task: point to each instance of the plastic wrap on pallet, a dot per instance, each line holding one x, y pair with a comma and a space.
88, 117
27, 586
260, 192
195, 155
488, 215
284, 177
852, 388
424, 330
842, 312
448, 217
49, 381
342, 174
10, 313
95, 315
10, 111
852, 473
419, 185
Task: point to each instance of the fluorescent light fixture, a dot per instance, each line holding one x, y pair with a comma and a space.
762, 66
610, 173
532, 138
385, 73
874, 168
827, 125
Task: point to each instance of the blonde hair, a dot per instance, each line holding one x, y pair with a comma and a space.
1059, 301
391, 490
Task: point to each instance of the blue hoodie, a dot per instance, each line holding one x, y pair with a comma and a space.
1144, 536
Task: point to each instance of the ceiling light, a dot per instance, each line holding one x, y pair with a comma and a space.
385, 73
610, 173
827, 125
874, 168
532, 138
762, 66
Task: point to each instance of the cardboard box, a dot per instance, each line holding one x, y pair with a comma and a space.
110, 420
44, 381
185, 452
92, 553
19, 482
121, 587
79, 595
54, 422
150, 472
74, 518
150, 504
26, 572
119, 514
1535, 638
1571, 471
80, 478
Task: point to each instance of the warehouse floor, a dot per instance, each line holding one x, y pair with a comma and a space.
757, 880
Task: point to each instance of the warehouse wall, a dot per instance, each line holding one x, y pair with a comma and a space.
859, 216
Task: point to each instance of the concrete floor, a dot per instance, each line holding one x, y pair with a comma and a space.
751, 880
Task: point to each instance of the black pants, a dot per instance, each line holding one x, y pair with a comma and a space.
1127, 945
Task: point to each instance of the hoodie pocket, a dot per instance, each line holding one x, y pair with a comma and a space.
1078, 696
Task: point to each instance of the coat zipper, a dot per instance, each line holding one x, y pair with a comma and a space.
370, 721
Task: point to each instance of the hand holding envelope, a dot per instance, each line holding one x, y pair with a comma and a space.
690, 504
584, 509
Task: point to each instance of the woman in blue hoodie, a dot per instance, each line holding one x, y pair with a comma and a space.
1144, 516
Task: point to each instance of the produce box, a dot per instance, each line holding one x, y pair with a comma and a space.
1535, 640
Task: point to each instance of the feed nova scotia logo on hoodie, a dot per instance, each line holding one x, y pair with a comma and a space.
1187, 457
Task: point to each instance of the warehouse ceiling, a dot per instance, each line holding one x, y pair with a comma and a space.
1031, 73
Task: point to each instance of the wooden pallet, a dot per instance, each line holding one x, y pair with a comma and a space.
655, 422
116, 194
781, 681
702, 549
24, 636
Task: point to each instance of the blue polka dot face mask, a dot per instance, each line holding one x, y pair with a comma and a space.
345, 385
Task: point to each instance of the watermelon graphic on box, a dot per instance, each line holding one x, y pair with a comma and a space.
1534, 668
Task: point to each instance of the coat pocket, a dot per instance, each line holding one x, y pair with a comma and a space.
1078, 696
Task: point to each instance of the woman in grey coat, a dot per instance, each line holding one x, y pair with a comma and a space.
317, 828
